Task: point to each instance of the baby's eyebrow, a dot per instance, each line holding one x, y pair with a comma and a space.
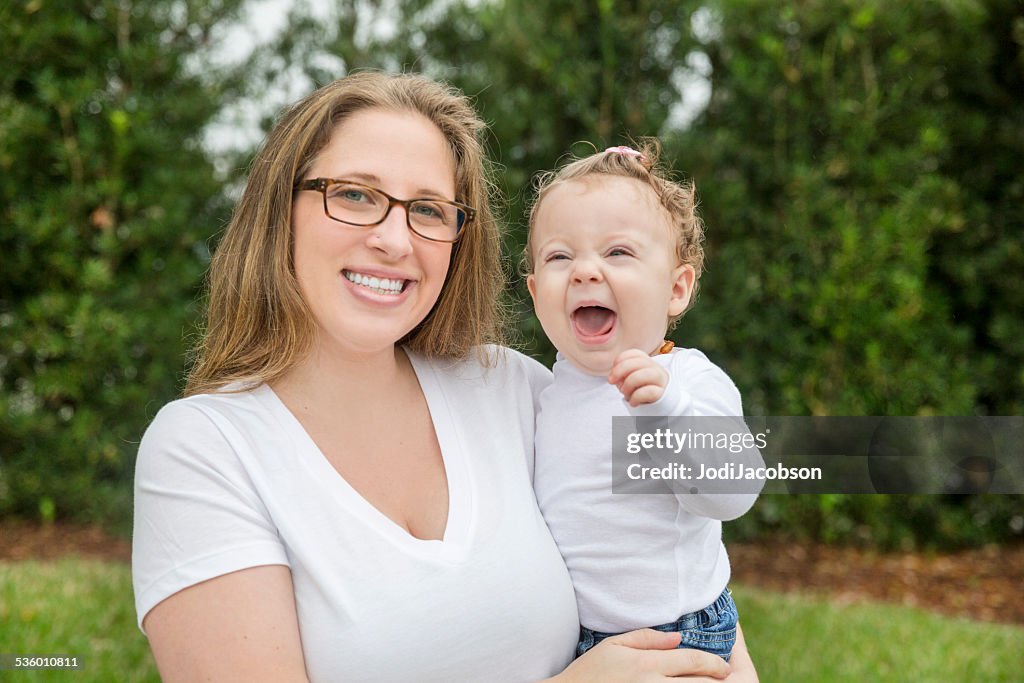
615, 240
554, 241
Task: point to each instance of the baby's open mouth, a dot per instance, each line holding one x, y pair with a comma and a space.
593, 322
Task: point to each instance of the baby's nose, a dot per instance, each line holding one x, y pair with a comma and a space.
586, 270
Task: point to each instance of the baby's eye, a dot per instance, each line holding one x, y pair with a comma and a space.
619, 251
556, 257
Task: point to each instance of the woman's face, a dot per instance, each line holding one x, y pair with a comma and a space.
369, 286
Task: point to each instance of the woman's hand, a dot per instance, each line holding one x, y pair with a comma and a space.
640, 656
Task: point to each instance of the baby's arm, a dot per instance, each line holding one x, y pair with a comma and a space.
652, 391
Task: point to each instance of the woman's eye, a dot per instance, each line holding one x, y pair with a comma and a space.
347, 194
351, 195
427, 210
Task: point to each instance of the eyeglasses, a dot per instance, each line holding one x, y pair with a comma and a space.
438, 220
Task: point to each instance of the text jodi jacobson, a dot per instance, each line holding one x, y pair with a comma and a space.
727, 472
721, 454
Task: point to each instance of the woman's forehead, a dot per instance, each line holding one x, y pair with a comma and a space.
383, 146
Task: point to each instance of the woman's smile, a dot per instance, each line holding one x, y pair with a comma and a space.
379, 285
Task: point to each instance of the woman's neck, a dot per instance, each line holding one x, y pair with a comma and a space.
327, 378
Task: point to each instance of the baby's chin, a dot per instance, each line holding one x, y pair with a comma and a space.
597, 364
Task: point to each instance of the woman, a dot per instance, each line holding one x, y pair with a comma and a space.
344, 493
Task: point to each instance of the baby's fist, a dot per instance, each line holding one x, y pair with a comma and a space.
638, 377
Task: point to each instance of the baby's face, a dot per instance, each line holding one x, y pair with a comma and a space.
606, 277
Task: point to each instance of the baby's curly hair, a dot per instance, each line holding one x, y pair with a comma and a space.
677, 197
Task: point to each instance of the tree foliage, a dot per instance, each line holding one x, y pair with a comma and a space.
864, 232
546, 77
107, 201
858, 166
861, 261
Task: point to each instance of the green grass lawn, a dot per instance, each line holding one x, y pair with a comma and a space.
797, 638
73, 607
84, 608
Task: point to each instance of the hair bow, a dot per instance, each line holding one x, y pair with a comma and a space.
625, 151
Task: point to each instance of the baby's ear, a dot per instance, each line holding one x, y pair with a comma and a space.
683, 278
532, 286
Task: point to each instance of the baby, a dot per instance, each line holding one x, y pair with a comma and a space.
613, 255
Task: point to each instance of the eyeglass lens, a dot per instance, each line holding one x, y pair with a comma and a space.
361, 205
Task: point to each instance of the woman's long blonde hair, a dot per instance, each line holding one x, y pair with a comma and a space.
257, 324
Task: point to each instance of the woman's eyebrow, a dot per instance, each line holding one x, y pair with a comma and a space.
367, 178
371, 179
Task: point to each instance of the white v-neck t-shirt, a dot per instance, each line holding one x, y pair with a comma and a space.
229, 481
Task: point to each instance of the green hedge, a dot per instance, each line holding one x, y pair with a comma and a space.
858, 169
107, 202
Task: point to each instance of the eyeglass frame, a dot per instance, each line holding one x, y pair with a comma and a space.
321, 184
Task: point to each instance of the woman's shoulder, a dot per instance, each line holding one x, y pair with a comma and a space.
489, 370
517, 361
489, 362
228, 399
200, 418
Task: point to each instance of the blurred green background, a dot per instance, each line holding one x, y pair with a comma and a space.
859, 167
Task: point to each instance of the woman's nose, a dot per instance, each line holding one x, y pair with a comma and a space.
393, 236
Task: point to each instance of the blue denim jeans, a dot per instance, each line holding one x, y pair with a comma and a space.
712, 629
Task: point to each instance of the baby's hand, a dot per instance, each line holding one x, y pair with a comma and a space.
638, 377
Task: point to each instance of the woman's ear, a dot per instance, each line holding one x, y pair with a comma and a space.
683, 278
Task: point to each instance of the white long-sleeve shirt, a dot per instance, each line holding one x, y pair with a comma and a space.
636, 560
